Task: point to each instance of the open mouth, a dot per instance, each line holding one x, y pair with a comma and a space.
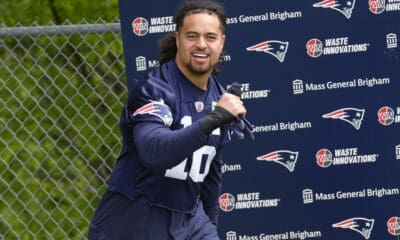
200, 57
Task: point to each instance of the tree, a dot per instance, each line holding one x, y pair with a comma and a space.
41, 12
60, 101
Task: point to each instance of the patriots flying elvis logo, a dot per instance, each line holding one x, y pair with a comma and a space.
278, 49
285, 158
354, 116
345, 7
155, 108
361, 225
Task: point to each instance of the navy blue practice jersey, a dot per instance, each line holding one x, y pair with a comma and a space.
166, 159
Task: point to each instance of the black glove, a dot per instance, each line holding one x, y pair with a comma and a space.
215, 119
240, 127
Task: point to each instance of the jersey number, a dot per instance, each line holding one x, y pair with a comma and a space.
201, 157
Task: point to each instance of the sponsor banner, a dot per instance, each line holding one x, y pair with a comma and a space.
282, 127
242, 201
227, 168
310, 196
142, 26
343, 156
388, 115
334, 46
265, 17
301, 86
248, 93
382, 6
393, 226
303, 234
322, 77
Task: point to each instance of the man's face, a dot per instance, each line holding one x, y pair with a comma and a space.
199, 43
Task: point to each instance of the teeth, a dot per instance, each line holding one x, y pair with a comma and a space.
200, 55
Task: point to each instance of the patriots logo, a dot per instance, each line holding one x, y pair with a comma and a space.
277, 49
361, 225
286, 158
158, 109
345, 7
353, 116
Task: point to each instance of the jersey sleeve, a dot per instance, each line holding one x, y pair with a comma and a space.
159, 146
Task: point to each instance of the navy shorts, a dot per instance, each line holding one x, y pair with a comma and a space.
120, 218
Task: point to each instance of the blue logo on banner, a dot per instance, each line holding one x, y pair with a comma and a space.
345, 7
353, 116
361, 225
277, 49
286, 158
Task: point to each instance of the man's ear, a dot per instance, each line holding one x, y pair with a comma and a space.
223, 41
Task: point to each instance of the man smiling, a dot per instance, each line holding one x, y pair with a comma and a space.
167, 179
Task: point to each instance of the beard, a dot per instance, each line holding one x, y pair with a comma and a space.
200, 69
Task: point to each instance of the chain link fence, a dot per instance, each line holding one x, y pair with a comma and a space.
62, 90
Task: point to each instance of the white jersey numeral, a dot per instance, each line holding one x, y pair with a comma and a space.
201, 159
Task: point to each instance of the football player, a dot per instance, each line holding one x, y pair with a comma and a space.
167, 178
